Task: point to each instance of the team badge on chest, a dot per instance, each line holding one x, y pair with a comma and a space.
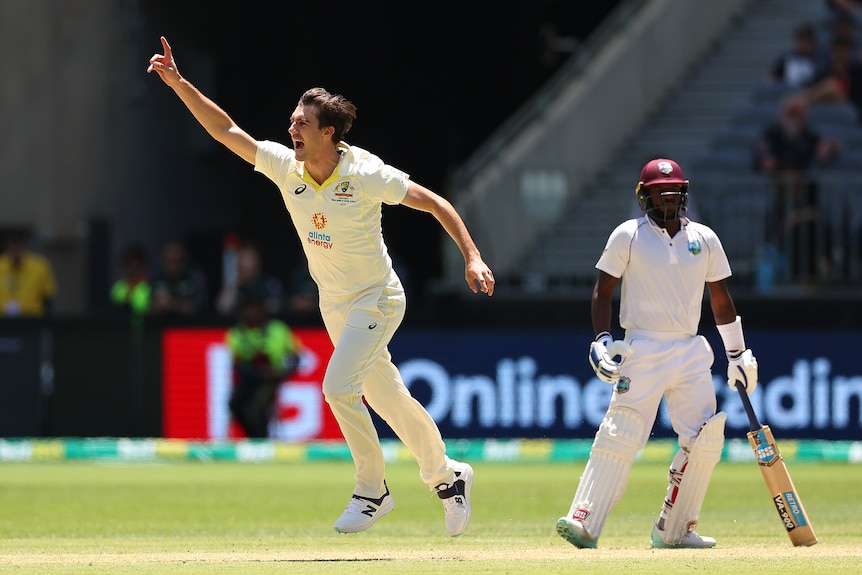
345, 193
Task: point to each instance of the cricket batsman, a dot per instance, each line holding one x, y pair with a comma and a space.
662, 261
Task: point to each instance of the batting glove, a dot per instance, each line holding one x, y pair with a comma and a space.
602, 352
742, 367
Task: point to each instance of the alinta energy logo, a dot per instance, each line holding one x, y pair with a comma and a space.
319, 220
317, 238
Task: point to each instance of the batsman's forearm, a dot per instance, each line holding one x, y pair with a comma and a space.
601, 315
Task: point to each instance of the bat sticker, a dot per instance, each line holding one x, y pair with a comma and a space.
795, 508
766, 453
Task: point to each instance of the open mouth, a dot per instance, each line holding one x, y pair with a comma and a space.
298, 145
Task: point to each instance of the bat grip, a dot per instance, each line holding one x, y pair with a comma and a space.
749, 409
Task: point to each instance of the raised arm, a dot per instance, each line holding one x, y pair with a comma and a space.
214, 120
476, 272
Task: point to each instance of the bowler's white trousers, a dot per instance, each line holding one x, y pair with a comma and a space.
361, 326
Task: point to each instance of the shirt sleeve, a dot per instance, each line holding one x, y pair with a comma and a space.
615, 257
273, 160
719, 266
385, 183
395, 184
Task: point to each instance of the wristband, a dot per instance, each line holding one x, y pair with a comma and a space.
604, 338
731, 335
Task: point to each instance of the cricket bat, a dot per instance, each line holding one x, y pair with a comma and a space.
777, 478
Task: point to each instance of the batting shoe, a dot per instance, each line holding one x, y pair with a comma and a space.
690, 540
363, 512
456, 499
575, 533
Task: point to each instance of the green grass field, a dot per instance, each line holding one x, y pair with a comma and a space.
212, 518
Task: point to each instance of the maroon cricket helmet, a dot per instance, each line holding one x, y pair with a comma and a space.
656, 172
661, 171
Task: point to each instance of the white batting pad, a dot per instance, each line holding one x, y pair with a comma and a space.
689, 477
604, 480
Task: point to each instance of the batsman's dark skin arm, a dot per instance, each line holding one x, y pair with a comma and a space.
723, 308
602, 302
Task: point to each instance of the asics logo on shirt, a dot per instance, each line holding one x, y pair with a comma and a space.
373, 325
300, 189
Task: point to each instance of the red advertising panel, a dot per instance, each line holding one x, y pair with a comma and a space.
197, 380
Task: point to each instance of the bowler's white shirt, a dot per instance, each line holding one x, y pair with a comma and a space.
338, 222
663, 278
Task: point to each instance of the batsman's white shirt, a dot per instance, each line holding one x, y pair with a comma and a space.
661, 296
663, 278
338, 222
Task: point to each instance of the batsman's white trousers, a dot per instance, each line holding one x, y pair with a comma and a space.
677, 366
361, 326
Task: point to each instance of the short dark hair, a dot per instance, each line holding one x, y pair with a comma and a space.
332, 110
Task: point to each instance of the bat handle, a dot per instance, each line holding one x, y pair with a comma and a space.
749, 409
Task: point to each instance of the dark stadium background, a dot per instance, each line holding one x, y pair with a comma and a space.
431, 81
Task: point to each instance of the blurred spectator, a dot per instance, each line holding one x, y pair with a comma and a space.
843, 23
302, 296
132, 292
250, 274
27, 282
265, 353
841, 79
848, 8
179, 287
789, 149
790, 144
799, 65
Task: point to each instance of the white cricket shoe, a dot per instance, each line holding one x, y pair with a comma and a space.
363, 512
575, 533
456, 499
690, 540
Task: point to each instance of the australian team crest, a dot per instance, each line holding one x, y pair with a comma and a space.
344, 193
